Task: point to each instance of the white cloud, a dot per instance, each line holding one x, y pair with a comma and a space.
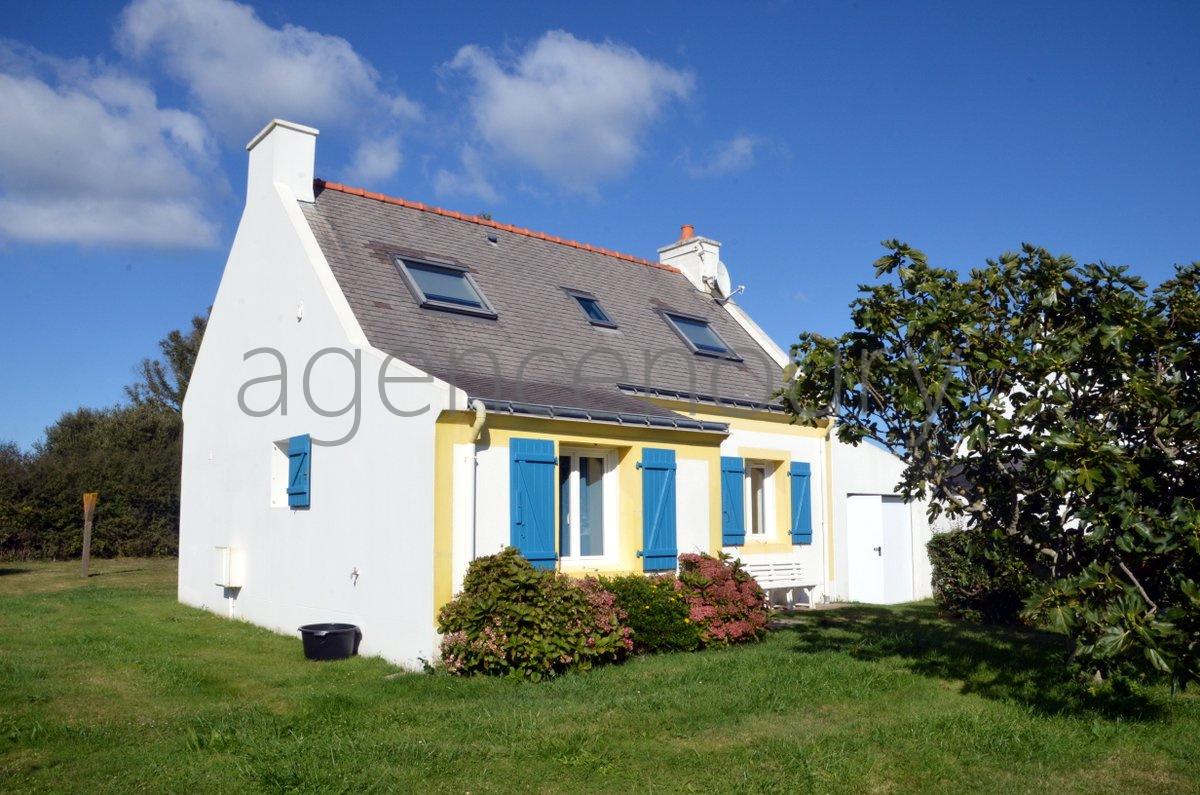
725, 157
376, 159
574, 110
87, 156
470, 180
242, 72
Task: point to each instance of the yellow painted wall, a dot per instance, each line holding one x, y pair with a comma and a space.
454, 428
628, 441
767, 422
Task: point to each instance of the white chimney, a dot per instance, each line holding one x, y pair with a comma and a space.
696, 256
283, 152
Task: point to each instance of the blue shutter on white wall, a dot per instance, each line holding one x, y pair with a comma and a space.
299, 471
801, 503
531, 500
733, 511
658, 510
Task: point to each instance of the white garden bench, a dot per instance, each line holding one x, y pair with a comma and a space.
780, 573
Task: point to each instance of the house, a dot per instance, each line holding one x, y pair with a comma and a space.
387, 390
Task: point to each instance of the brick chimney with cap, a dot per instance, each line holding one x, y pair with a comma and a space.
696, 256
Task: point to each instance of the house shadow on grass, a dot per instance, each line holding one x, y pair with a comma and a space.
5, 571
1002, 663
115, 571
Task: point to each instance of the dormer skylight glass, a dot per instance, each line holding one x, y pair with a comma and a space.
699, 336
444, 286
592, 309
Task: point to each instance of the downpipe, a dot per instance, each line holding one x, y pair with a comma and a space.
476, 432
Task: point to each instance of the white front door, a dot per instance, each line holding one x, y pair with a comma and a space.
879, 548
864, 539
897, 551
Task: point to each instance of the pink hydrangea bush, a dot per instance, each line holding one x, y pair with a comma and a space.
514, 620
723, 599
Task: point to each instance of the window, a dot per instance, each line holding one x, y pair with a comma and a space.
699, 336
592, 309
757, 504
759, 499
279, 474
442, 286
584, 504
291, 472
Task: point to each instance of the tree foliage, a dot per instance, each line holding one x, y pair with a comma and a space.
129, 453
974, 580
1054, 408
163, 382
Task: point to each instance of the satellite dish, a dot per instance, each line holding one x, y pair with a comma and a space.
724, 286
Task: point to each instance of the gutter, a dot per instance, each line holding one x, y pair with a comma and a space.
692, 397
623, 418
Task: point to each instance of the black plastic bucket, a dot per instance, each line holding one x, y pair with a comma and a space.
330, 641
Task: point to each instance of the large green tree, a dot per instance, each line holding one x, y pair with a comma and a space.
129, 453
1054, 407
164, 381
131, 456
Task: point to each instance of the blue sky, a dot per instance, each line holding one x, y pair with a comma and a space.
798, 134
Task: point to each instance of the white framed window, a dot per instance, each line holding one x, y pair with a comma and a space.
760, 499
279, 474
587, 497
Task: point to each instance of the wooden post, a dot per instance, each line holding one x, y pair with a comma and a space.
89, 511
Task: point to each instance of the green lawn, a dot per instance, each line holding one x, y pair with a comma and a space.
111, 685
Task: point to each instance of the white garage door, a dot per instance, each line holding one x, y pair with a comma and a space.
879, 538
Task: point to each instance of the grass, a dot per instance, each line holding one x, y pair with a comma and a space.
111, 685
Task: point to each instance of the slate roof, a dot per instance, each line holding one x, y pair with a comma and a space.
540, 349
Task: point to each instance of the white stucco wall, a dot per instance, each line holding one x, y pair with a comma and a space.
868, 469
492, 531
692, 506
799, 448
372, 497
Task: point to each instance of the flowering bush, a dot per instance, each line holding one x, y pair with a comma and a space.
658, 613
513, 620
723, 599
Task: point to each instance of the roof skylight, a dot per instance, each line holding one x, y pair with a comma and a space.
443, 286
699, 335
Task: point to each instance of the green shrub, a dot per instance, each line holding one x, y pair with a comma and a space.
657, 613
977, 581
513, 620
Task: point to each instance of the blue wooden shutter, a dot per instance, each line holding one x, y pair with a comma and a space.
658, 510
801, 503
531, 500
299, 471
733, 508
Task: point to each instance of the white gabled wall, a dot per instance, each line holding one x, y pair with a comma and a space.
372, 497
868, 469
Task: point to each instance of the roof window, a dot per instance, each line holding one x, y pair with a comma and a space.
444, 286
699, 335
592, 309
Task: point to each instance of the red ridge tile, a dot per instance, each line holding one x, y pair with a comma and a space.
474, 219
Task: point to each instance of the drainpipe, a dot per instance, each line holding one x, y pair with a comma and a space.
476, 432
480, 418
830, 507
